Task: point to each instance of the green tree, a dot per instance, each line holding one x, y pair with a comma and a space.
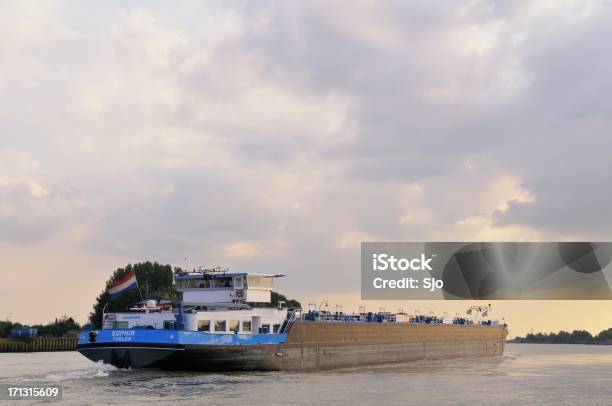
277, 297
605, 336
64, 326
564, 337
59, 328
6, 326
154, 281
581, 336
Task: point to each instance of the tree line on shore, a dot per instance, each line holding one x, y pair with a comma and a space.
565, 337
61, 327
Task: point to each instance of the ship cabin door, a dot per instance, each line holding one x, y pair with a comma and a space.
256, 324
239, 285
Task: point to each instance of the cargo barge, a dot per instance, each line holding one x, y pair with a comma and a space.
219, 326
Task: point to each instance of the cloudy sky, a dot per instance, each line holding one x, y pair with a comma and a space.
276, 136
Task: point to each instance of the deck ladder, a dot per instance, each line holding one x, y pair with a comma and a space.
289, 322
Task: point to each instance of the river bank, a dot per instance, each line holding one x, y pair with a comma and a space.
38, 344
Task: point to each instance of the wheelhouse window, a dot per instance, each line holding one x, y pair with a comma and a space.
225, 282
233, 325
276, 328
246, 326
193, 283
220, 326
204, 325
120, 325
169, 325
183, 283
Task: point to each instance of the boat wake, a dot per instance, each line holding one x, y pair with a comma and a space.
97, 370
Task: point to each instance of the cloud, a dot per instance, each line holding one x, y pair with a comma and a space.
32, 208
275, 137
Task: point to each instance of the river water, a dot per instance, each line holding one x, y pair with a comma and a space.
527, 374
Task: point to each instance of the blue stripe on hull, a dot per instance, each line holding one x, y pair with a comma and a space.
179, 337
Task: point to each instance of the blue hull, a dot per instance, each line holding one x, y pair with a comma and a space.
181, 350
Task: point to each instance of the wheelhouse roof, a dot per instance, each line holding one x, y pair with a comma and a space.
202, 275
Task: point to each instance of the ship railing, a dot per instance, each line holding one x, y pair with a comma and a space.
291, 317
330, 317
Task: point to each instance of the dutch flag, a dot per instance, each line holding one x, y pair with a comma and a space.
126, 283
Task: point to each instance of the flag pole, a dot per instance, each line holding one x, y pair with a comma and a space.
138, 286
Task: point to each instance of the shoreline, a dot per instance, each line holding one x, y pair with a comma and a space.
39, 344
